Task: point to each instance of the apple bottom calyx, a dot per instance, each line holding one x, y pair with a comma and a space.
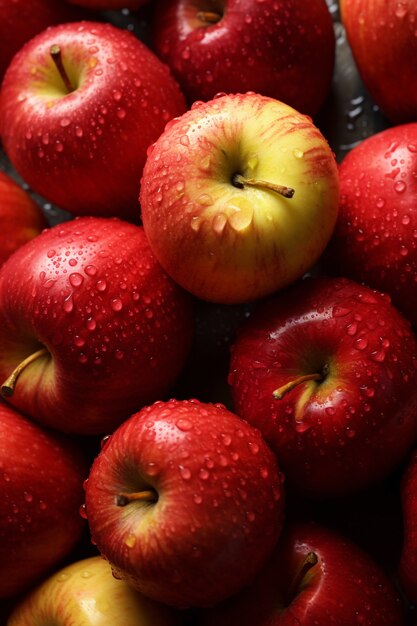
284, 389
240, 181
8, 387
147, 495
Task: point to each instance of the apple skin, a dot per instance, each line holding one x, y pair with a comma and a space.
220, 502
224, 243
345, 587
21, 219
84, 151
116, 327
388, 71
41, 491
408, 561
375, 238
284, 50
86, 594
331, 435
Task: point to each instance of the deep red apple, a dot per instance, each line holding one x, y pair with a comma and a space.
186, 502
79, 106
284, 50
94, 321
408, 562
328, 372
41, 477
375, 239
21, 219
315, 577
382, 36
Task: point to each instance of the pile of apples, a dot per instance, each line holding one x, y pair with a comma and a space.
208, 350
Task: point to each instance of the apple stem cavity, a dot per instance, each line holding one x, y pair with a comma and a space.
56, 54
284, 389
310, 561
209, 17
147, 495
8, 387
240, 181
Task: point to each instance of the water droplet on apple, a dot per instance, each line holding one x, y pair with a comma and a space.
184, 140
86, 574
298, 153
198, 498
184, 424
91, 323
116, 304
400, 186
185, 472
68, 305
130, 541
76, 279
62, 578
83, 511
302, 426
65, 122
101, 285
90, 270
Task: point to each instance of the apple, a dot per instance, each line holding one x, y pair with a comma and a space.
328, 372
375, 239
316, 576
91, 327
284, 50
41, 478
86, 594
79, 106
239, 197
408, 561
181, 496
382, 36
21, 219
21, 20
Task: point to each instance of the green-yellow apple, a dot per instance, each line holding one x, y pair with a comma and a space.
85, 593
79, 106
239, 197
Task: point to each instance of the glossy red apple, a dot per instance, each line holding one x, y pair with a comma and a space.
41, 477
328, 372
382, 36
375, 239
239, 197
79, 106
315, 577
21, 219
284, 50
96, 324
186, 502
408, 562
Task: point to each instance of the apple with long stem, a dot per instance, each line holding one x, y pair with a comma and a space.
239, 197
91, 327
182, 494
284, 50
41, 491
328, 372
79, 106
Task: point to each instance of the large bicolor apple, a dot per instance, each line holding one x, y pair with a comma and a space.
239, 197
185, 501
284, 50
328, 372
91, 327
79, 106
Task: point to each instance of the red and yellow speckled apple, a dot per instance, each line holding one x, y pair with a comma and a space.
89, 319
328, 373
79, 106
186, 502
41, 491
239, 197
85, 593
408, 561
21, 219
284, 50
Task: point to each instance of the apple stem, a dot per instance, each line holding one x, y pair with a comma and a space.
210, 17
281, 391
8, 387
122, 499
240, 181
310, 561
55, 52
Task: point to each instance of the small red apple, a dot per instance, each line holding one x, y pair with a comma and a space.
328, 372
185, 501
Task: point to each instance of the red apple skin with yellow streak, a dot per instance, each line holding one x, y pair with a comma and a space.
21, 219
41, 491
331, 434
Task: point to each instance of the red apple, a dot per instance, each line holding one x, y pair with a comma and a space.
85, 593
94, 321
316, 577
375, 239
41, 477
217, 197
382, 36
408, 562
21, 20
21, 219
79, 106
328, 373
186, 502
284, 50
